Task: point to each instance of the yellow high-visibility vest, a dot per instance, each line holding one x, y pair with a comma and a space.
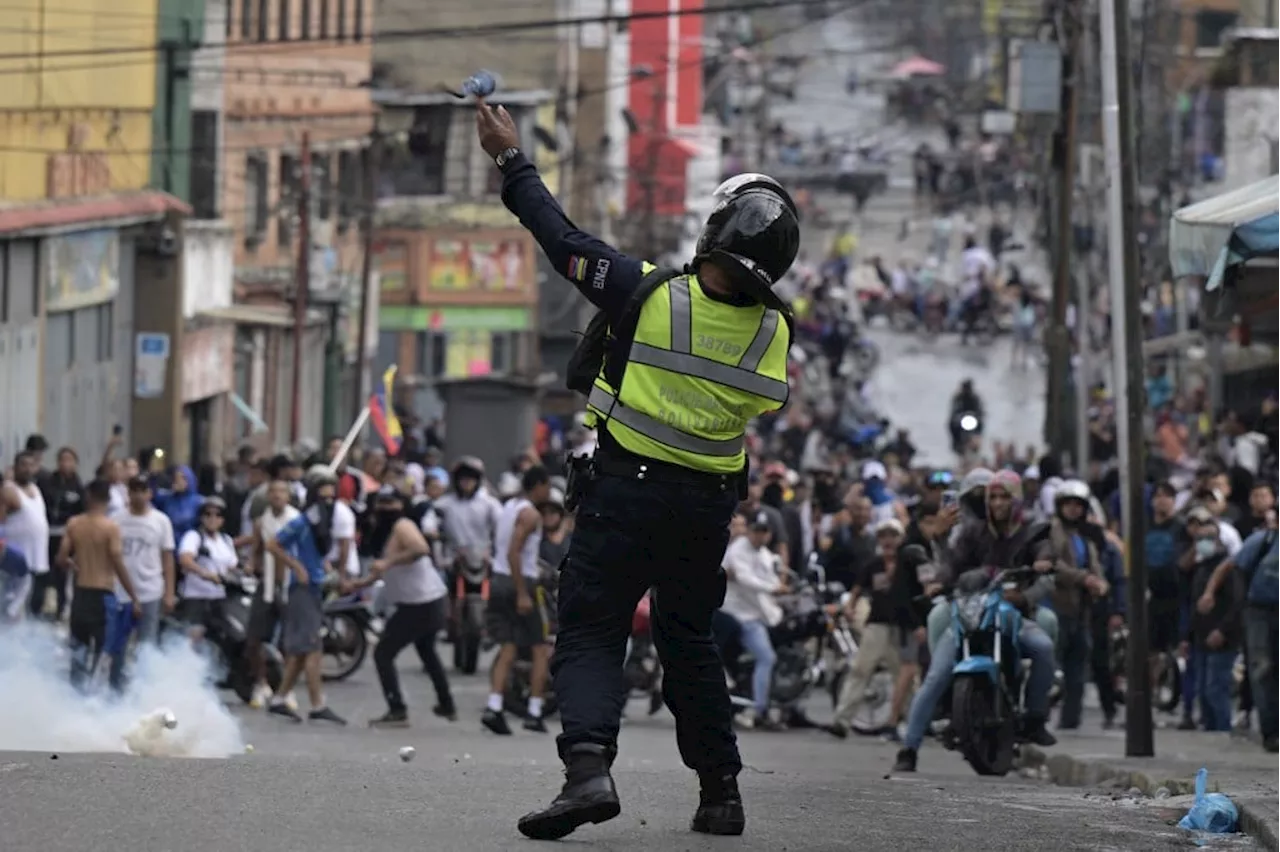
697, 372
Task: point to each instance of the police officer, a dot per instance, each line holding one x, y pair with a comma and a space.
703, 352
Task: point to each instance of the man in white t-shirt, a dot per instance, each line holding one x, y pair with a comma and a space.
146, 540
267, 609
752, 581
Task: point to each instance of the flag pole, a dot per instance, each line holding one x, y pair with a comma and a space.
349, 441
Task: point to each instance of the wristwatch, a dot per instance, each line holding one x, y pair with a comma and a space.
506, 156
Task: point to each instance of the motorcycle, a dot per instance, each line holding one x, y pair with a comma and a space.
228, 635
470, 602
348, 621
988, 677
966, 426
812, 644
642, 669
1168, 667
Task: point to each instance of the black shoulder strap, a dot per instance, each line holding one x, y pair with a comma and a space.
621, 336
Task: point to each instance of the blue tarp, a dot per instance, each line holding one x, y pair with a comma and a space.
1207, 237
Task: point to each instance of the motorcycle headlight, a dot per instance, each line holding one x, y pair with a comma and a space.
968, 423
970, 609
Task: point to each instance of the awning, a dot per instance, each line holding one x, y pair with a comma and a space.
1207, 237
276, 316
114, 210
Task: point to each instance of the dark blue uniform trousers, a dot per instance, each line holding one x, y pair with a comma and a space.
631, 535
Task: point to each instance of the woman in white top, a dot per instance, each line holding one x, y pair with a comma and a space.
206, 554
752, 583
414, 587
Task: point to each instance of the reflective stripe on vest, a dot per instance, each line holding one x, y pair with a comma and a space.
680, 360
644, 424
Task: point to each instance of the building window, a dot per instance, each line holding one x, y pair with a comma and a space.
342, 19
349, 187
284, 22
428, 147
502, 353
246, 19
433, 354
288, 188
257, 209
357, 21
1210, 25
304, 21
204, 164
106, 328
324, 18
322, 185
264, 18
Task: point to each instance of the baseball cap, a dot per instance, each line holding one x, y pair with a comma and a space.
889, 525
139, 483
759, 521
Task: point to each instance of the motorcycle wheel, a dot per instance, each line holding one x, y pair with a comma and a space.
986, 744
515, 698
239, 682
877, 704
345, 646
466, 654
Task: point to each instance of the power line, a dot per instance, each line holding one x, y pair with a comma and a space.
431, 32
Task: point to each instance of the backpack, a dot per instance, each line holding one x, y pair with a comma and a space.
600, 344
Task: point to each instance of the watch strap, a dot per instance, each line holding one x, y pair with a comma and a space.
506, 156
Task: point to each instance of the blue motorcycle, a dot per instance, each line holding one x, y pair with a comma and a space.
987, 681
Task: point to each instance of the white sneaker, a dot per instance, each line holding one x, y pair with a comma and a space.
261, 696
291, 702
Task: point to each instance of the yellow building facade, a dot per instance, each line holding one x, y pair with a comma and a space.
77, 89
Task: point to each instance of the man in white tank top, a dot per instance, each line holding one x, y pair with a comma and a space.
517, 616
26, 521
267, 609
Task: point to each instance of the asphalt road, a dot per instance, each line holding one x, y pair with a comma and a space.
317, 788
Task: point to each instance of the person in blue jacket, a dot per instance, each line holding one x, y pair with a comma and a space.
180, 501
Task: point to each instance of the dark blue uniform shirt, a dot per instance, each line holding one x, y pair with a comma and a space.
606, 276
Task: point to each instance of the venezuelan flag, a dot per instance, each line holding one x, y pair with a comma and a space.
383, 415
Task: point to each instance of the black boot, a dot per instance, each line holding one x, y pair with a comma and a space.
1036, 732
906, 761
588, 796
719, 807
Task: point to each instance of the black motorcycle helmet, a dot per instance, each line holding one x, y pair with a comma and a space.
753, 234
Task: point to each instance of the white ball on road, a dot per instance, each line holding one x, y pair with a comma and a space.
248, 748
170, 721
407, 753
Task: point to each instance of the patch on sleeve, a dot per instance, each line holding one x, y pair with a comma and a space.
577, 268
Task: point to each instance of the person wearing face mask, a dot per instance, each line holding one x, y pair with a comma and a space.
301, 546
1213, 634
1077, 580
414, 587
27, 522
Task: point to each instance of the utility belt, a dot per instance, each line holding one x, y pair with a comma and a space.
583, 469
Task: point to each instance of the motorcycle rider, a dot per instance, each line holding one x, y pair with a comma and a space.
752, 581
965, 401
1078, 579
1002, 543
468, 514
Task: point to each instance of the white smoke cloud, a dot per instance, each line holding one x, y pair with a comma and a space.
40, 711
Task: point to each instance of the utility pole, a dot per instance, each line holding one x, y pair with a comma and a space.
302, 283
1126, 322
1058, 342
372, 160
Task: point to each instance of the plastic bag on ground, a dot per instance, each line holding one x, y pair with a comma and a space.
1211, 812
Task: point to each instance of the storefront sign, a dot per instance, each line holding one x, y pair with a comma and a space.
484, 264
81, 269
422, 318
208, 362
150, 358
393, 267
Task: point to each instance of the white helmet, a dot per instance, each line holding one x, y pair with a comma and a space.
1072, 489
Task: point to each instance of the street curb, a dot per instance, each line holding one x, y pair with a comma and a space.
1067, 771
